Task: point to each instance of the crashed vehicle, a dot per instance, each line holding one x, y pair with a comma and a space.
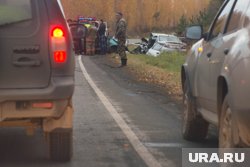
216, 80
156, 50
165, 43
142, 47
173, 41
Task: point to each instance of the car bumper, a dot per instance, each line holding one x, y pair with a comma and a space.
10, 111
59, 92
59, 88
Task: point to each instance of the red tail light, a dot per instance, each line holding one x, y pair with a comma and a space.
47, 105
58, 44
59, 56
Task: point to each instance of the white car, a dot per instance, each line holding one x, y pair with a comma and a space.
165, 43
156, 50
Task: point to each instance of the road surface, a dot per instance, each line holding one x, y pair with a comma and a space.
118, 122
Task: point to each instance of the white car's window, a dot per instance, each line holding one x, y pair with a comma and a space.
162, 38
157, 46
14, 11
169, 39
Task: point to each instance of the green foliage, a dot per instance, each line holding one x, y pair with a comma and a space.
183, 23
204, 17
170, 61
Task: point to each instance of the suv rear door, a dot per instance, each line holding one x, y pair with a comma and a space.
24, 44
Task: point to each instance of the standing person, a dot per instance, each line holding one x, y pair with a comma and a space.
121, 28
102, 37
81, 35
90, 40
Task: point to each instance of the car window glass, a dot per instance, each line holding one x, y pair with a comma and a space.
169, 38
173, 39
157, 46
61, 7
22, 11
162, 38
247, 19
220, 23
234, 22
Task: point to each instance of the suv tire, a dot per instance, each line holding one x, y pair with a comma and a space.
194, 127
226, 126
61, 144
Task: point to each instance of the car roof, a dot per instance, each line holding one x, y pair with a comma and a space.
161, 34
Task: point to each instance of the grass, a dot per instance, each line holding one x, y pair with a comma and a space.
162, 71
170, 62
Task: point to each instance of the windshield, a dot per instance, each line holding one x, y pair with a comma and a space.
157, 47
14, 11
169, 39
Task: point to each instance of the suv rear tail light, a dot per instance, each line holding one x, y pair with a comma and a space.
46, 105
58, 44
59, 56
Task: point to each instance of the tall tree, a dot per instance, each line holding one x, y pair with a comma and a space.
214, 6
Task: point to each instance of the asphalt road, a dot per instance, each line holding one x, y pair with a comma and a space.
99, 138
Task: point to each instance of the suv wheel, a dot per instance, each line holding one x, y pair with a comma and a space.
60, 144
194, 127
226, 126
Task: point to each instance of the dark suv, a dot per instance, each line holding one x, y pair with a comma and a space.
37, 71
216, 79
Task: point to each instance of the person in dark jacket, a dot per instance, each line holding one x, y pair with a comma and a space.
102, 38
121, 28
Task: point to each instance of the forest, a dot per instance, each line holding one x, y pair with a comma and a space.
141, 15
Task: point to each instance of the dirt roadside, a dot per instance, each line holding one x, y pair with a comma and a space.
152, 81
167, 82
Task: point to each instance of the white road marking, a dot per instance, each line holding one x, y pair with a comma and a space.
161, 145
147, 157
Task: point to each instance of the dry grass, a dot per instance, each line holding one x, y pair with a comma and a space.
163, 71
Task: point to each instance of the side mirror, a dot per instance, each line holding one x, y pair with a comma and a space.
194, 32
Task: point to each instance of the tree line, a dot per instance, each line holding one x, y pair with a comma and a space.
203, 18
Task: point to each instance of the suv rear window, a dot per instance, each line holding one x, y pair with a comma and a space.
14, 11
20, 18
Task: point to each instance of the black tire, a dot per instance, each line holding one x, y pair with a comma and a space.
226, 126
194, 127
61, 145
